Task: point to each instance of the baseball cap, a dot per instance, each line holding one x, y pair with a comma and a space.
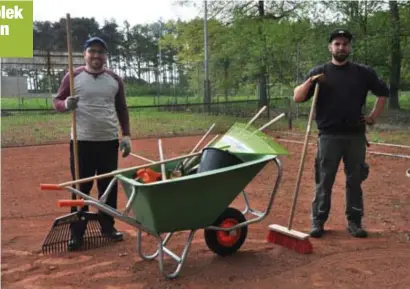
340, 32
94, 40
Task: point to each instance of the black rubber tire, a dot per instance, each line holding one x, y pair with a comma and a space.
211, 236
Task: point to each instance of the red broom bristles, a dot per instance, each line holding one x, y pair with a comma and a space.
297, 245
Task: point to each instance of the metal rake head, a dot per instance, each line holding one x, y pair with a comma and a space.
85, 228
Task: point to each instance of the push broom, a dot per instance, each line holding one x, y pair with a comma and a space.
88, 225
286, 236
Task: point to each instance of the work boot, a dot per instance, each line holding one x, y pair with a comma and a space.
317, 230
113, 234
356, 230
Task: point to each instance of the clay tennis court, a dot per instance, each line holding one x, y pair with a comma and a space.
338, 260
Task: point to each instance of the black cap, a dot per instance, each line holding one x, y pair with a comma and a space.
340, 32
94, 40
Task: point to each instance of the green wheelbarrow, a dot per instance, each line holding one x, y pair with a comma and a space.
200, 200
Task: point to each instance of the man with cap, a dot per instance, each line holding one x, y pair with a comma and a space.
100, 104
342, 127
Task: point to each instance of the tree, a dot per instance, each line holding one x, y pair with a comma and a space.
395, 55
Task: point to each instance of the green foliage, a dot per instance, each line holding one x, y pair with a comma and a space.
246, 39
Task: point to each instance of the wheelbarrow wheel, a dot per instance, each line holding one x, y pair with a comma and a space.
225, 243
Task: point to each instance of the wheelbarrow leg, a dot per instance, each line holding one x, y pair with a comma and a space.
162, 250
152, 256
179, 259
247, 205
248, 208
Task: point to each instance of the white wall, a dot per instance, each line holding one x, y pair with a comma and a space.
12, 86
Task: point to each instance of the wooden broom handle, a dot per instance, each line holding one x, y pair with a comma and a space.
74, 119
113, 173
303, 157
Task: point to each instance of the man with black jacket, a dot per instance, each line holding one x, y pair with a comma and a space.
342, 126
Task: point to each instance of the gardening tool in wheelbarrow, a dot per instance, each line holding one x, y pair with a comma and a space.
79, 229
190, 166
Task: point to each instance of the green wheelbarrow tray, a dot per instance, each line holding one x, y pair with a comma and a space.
189, 203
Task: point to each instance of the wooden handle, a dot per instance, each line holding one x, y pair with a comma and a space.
161, 158
203, 138
302, 161
271, 121
142, 158
184, 162
255, 117
116, 172
74, 118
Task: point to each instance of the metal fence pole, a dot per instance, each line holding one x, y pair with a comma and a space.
207, 94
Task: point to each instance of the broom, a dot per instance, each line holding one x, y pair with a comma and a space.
88, 225
286, 236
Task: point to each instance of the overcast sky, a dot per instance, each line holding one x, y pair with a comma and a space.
144, 11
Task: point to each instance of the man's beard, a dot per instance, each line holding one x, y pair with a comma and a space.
340, 57
96, 63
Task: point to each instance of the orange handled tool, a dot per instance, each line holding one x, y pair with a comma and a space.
71, 203
50, 187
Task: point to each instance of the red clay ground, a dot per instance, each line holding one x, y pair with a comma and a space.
338, 261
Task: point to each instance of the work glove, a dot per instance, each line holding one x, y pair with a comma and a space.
125, 146
71, 102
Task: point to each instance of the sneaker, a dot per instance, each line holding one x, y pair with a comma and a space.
356, 230
113, 234
316, 231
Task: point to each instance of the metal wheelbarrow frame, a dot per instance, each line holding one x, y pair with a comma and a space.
149, 205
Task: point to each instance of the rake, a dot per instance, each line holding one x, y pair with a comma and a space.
88, 225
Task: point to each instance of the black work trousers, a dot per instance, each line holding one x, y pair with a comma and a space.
96, 157
331, 150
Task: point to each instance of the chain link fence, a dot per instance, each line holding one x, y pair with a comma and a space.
167, 100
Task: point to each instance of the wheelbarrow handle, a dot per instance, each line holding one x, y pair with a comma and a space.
50, 187
71, 203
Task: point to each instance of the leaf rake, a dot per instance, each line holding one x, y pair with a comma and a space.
87, 227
